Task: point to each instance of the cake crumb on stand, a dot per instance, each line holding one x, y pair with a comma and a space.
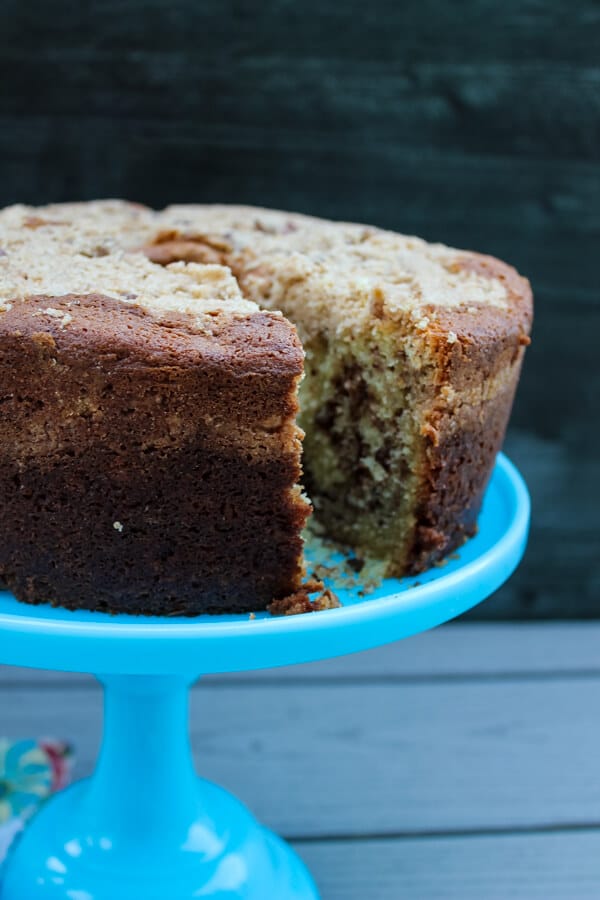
300, 602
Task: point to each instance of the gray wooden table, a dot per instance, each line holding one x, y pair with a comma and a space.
462, 763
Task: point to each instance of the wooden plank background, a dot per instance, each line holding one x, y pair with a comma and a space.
477, 124
461, 763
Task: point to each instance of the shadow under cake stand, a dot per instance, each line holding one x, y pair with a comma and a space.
144, 826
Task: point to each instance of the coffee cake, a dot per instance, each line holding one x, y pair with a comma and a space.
150, 429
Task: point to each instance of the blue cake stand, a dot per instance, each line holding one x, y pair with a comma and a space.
144, 827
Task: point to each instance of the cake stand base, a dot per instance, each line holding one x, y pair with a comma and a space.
144, 825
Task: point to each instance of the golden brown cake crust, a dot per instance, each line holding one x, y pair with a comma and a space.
148, 467
462, 435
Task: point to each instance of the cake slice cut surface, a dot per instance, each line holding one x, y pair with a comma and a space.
413, 354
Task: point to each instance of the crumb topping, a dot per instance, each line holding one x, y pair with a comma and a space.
349, 273
65, 317
91, 251
346, 269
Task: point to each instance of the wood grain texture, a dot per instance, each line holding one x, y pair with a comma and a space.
519, 867
355, 759
231, 30
478, 127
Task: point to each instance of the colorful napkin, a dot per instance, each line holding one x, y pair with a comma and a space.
29, 772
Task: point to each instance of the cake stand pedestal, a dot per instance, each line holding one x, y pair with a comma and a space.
144, 826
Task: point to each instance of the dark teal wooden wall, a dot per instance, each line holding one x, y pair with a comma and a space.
474, 123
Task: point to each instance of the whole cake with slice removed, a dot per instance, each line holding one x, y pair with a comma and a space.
150, 423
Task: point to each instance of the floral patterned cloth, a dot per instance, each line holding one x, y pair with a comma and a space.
29, 772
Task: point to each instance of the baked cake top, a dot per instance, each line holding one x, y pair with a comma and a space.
345, 271
338, 274
82, 249
93, 228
